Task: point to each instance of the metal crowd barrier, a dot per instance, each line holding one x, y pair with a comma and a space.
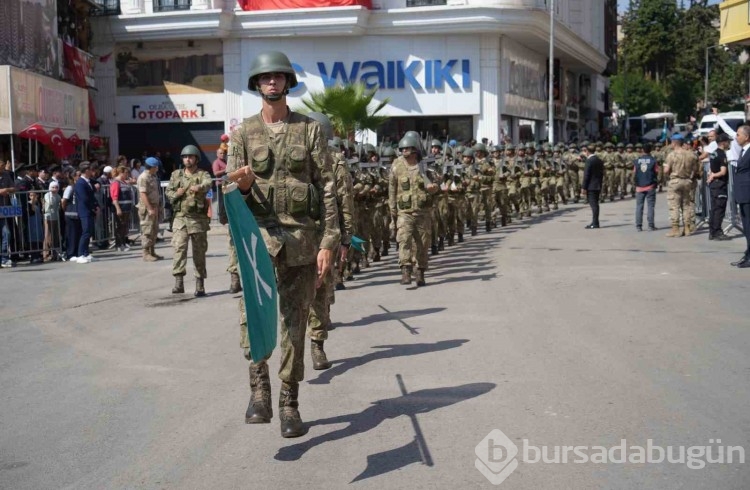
32, 235
732, 218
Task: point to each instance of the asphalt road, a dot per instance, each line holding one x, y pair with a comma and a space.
552, 334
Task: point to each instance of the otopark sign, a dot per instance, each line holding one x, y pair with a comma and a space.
430, 75
161, 112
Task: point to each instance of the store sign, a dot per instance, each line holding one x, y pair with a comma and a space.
11, 212
439, 76
36, 99
177, 108
431, 74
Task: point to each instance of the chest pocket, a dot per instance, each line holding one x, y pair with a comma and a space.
405, 183
297, 159
261, 160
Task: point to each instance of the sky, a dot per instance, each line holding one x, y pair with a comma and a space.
622, 5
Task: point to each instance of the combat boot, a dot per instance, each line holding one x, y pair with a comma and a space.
259, 410
154, 254
376, 255
473, 231
676, 231
386, 247
451, 240
689, 229
291, 422
441, 244
340, 286
405, 275
504, 221
420, 278
147, 257
199, 291
460, 238
179, 285
554, 207
234, 285
488, 227
319, 358
433, 249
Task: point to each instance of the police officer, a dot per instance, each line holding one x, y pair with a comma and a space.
280, 162
187, 191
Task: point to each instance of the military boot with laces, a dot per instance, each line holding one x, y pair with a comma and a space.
259, 410
420, 278
179, 285
319, 358
291, 421
234, 284
406, 275
199, 290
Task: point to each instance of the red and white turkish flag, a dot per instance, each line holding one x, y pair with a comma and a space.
95, 142
74, 140
61, 147
35, 132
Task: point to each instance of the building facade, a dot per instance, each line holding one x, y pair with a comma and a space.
461, 69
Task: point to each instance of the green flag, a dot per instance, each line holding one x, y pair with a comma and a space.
258, 277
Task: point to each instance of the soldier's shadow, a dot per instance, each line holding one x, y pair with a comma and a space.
411, 404
388, 316
341, 366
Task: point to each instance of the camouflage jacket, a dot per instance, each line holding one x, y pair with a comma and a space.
191, 206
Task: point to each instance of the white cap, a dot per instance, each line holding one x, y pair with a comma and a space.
107, 169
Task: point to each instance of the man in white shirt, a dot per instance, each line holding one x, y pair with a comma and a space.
735, 149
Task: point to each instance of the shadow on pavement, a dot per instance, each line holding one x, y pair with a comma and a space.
388, 316
341, 366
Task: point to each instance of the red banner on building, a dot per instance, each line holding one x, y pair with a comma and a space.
79, 66
299, 4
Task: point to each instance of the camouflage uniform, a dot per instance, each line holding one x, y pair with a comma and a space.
297, 218
409, 198
683, 169
149, 185
191, 221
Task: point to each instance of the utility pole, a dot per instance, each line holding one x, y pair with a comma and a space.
551, 109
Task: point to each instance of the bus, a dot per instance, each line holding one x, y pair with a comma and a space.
648, 127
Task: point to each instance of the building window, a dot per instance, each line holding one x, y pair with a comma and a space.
425, 3
170, 5
106, 7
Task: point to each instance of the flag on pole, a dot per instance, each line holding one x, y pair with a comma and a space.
256, 271
664, 131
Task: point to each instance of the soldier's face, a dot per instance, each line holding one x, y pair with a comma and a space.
272, 84
435, 150
496, 154
190, 161
467, 160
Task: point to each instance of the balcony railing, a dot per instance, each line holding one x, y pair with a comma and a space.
171, 5
106, 7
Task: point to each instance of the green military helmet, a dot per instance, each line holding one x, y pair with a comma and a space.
510, 147
370, 149
414, 134
479, 147
460, 149
436, 143
271, 62
409, 141
529, 145
572, 146
468, 152
620, 145
546, 147
537, 147
599, 145
388, 152
638, 146
448, 151
325, 124
608, 145
191, 150
496, 148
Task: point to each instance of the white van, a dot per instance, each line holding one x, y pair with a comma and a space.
709, 122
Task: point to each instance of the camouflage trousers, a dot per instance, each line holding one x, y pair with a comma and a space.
413, 237
232, 267
450, 216
180, 238
377, 234
678, 197
149, 228
319, 318
514, 199
574, 186
486, 203
501, 201
525, 195
296, 290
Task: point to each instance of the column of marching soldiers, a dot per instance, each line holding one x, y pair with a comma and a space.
479, 186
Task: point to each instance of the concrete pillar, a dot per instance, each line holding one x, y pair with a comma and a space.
105, 98
131, 7
235, 81
488, 124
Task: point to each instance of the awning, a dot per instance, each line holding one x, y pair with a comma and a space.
28, 99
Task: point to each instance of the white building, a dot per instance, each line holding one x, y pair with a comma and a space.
468, 69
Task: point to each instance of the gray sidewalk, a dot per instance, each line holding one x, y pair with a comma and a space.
548, 332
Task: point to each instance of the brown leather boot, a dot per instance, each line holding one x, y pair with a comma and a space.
147, 257
154, 254
179, 285
291, 422
259, 410
406, 275
675, 232
420, 278
689, 229
319, 358
234, 285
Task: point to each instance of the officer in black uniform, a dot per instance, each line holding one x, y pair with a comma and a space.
718, 178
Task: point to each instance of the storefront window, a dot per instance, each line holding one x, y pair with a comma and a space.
459, 128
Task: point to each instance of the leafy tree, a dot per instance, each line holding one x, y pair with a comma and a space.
650, 30
635, 94
350, 108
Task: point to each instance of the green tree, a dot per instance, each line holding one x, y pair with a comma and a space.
636, 94
650, 37
350, 108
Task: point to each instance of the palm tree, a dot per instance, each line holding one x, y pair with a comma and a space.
348, 107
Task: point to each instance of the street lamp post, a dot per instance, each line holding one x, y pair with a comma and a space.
551, 76
705, 80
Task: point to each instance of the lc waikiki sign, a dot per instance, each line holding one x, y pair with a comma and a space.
430, 74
